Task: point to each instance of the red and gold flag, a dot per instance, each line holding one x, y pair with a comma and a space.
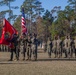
7, 33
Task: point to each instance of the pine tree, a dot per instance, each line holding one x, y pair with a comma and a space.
9, 10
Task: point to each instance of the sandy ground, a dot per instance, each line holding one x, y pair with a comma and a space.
43, 66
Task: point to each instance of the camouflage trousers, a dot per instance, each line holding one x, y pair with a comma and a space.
67, 52
34, 50
49, 51
59, 52
29, 52
23, 51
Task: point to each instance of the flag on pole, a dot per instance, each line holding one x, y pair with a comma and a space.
23, 23
7, 33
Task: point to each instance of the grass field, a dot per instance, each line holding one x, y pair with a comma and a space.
43, 66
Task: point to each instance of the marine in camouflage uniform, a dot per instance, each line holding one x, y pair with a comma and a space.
13, 49
58, 47
18, 49
55, 46
23, 45
28, 49
71, 47
62, 49
67, 46
34, 46
49, 47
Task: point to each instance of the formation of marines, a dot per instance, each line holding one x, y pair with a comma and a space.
58, 47
27, 45
24, 44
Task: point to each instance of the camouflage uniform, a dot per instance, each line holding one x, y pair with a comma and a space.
55, 47
67, 46
13, 49
59, 47
29, 50
23, 46
34, 46
72, 47
49, 47
62, 49
18, 48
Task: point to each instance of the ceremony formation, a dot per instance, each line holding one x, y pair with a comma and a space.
27, 44
37, 37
